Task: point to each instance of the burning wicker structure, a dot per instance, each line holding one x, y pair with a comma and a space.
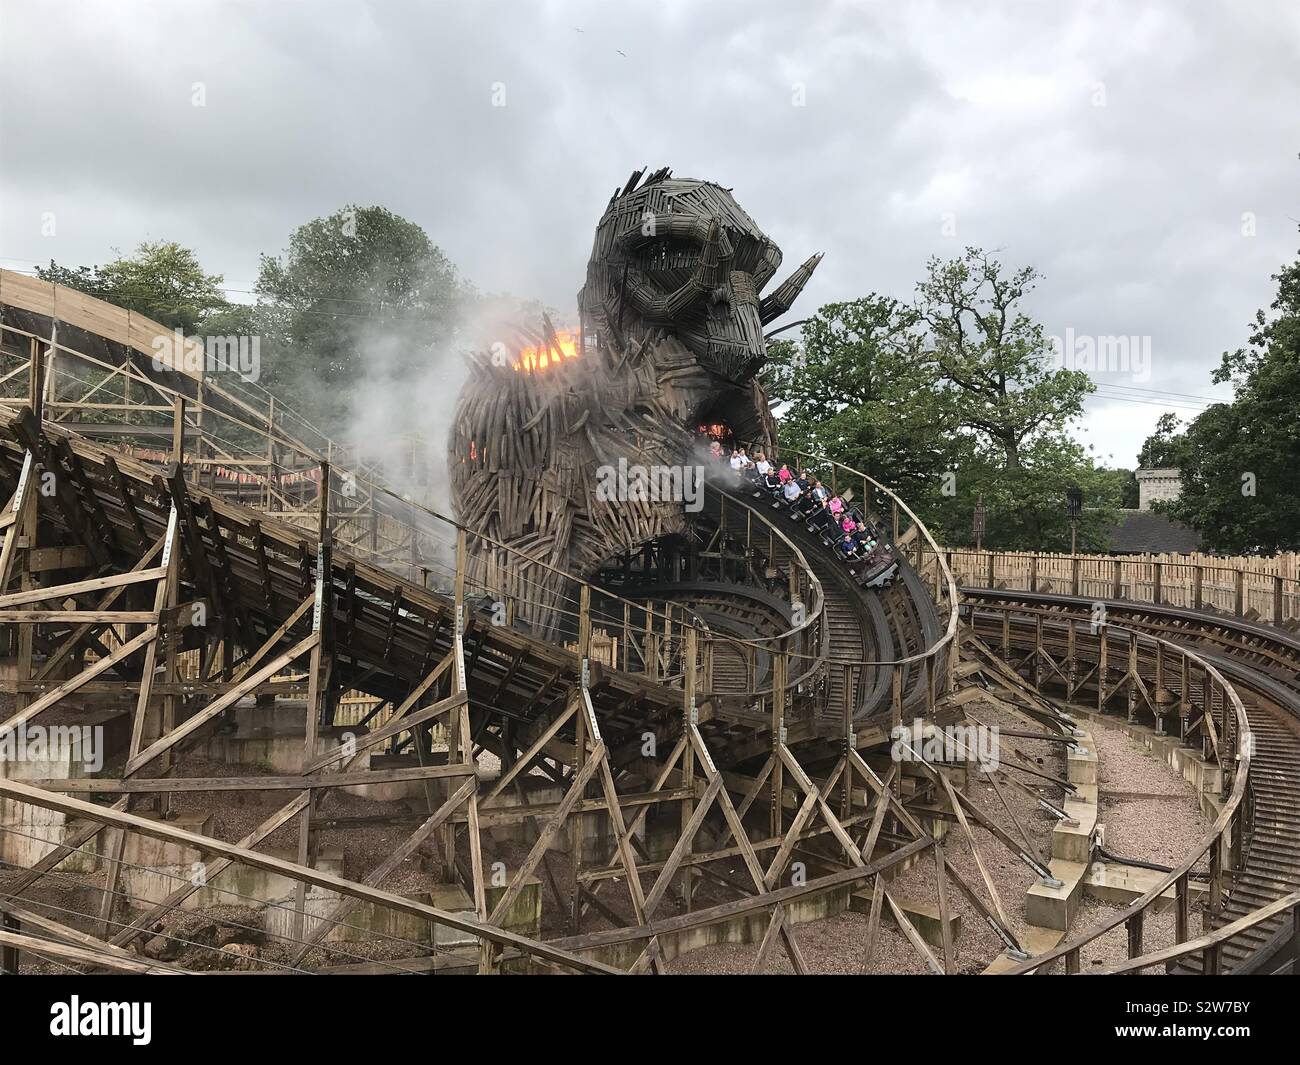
670, 338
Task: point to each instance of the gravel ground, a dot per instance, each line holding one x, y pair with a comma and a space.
1150, 812
1157, 933
1159, 821
1153, 830
1124, 767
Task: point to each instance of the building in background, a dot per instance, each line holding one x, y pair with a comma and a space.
1158, 485
1143, 531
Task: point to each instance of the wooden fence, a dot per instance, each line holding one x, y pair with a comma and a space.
1267, 588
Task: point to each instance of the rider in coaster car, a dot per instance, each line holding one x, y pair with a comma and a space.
790, 493
821, 521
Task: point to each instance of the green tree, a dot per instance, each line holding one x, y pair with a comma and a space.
993, 357
854, 389
360, 291
1164, 448
950, 400
87, 279
1240, 461
162, 280
995, 372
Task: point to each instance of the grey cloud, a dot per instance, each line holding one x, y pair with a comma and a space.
1132, 211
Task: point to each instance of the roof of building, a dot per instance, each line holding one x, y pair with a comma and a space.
1143, 531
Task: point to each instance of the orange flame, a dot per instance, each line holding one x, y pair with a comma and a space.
535, 359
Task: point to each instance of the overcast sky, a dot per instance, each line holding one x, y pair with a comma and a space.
1143, 156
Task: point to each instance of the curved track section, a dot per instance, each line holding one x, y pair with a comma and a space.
173, 499
867, 624
1263, 664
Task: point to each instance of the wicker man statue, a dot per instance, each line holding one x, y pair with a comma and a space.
563, 446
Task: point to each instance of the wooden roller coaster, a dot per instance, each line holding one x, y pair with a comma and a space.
175, 551
699, 694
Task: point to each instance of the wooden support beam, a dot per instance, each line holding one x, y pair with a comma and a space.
75, 808
244, 687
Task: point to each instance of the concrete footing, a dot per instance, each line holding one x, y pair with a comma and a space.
923, 915
1122, 884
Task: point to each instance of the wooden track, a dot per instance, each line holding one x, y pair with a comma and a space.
1263, 662
185, 521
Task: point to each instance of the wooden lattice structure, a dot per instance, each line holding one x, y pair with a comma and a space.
670, 338
174, 499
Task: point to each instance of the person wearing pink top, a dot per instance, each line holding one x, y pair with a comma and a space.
836, 505
785, 473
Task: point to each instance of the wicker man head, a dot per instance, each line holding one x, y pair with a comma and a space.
681, 255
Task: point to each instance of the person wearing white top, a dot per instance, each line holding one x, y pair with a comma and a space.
737, 461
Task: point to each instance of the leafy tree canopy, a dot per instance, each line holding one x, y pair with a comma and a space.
363, 291
161, 280
1240, 461
950, 399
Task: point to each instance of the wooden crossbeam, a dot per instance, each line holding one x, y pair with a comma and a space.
69, 686
244, 687
384, 869
84, 956
111, 786
161, 830
67, 591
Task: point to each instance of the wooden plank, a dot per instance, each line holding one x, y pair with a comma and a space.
208, 785
244, 687
98, 617
48, 948
45, 559
21, 792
